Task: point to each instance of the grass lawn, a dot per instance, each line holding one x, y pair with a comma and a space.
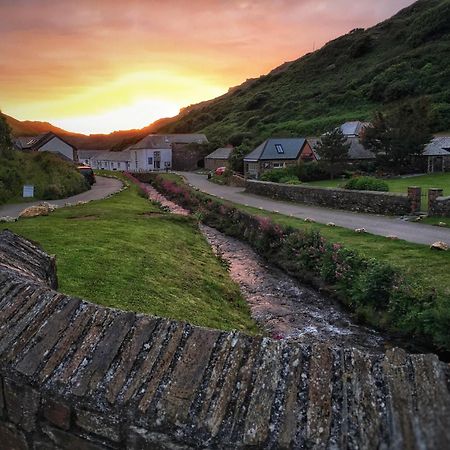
437, 180
123, 252
428, 267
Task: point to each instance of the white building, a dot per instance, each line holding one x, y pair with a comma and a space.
88, 157
153, 153
47, 142
112, 161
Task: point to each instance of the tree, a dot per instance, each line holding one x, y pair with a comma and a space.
238, 154
333, 147
399, 136
5, 137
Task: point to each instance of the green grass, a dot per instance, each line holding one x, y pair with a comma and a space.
430, 268
111, 253
436, 180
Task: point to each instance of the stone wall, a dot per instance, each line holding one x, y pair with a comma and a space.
187, 157
362, 201
79, 376
438, 205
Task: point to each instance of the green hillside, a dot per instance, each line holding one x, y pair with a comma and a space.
407, 56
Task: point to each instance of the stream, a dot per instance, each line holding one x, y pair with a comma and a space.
283, 307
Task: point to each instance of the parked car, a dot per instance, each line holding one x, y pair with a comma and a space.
88, 173
220, 170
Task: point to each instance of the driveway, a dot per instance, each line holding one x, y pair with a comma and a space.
374, 224
101, 189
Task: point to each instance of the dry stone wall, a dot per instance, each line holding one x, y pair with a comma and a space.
74, 375
439, 207
362, 201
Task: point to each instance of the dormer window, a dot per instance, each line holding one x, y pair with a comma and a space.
279, 149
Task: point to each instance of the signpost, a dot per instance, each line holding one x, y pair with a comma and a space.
28, 191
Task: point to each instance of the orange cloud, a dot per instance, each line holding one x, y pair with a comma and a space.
65, 61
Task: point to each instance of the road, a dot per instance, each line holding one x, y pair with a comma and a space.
101, 189
374, 224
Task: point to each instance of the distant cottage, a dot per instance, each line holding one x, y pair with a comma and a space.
437, 153
47, 142
353, 132
277, 153
218, 158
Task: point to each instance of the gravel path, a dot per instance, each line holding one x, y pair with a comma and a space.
374, 224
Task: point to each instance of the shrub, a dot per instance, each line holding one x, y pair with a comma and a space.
52, 191
366, 184
292, 179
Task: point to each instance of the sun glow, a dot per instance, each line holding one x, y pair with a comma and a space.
136, 115
131, 100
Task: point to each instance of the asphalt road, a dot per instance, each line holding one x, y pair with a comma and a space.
101, 189
374, 224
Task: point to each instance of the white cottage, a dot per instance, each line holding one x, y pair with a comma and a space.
112, 161
153, 153
48, 142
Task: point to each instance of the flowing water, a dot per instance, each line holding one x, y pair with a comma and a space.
285, 308
279, 303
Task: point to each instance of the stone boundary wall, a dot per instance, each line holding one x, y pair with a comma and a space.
440, 208
237, 181
438, 205
362, 201
79, 376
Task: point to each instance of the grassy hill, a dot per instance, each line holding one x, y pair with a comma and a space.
407, 56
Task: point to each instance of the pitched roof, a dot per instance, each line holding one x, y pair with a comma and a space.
187, 138
353, 128
113, 156
34, 143
165, 141
439, 146
220, 153
357, 150
277, 148
87, 154
152, 141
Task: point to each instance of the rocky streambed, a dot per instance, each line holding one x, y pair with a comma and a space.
280, 304
284, 307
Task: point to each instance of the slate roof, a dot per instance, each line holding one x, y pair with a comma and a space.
292, 148
353, 128
165, 141
220, 153
357, 150
88, 154
187, 138
152, 141
439, 146
34, 143
114, 156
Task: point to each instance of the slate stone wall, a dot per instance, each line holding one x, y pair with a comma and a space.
78, 376
185, 157
440, 207
362, 201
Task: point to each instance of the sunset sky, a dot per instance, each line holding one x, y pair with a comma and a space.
103, 65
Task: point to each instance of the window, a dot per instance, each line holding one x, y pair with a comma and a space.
150, 161
118, 165
279, 148
278, 165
